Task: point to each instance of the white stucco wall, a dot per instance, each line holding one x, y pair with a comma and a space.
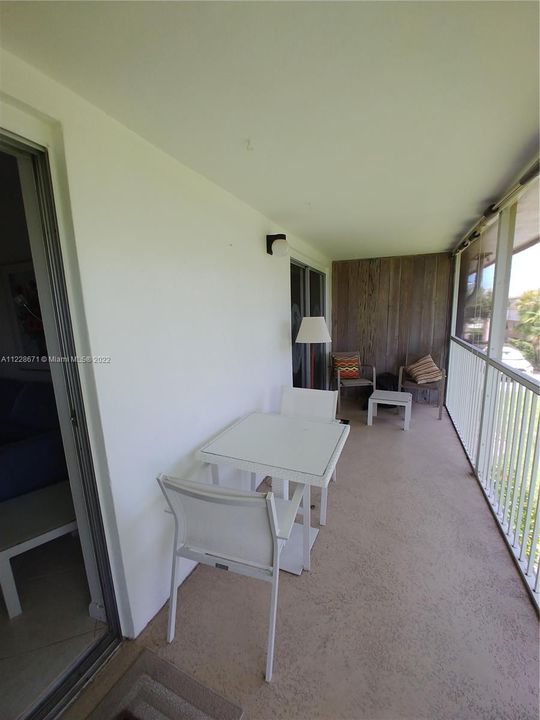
168, 275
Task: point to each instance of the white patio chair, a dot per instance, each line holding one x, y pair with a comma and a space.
313, 405
235, 530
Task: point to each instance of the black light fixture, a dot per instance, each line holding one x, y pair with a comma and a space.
277, 245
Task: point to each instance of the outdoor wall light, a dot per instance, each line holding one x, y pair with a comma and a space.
277, 245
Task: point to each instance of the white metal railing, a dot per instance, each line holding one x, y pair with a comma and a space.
496, 412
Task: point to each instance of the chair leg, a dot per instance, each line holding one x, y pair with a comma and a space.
306, 505
441, 396
172, 600
324, 505
370, 412
272, 624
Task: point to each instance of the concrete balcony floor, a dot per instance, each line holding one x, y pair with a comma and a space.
413, 607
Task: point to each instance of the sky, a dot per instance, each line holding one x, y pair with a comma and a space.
525, 273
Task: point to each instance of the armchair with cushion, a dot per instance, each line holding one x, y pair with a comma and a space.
347, 371
423, 374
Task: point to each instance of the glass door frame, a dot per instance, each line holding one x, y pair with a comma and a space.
34, 160
306, 311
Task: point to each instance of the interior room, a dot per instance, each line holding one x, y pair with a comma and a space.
270, 360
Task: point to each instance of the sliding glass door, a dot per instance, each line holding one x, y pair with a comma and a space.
58, 614
308, 298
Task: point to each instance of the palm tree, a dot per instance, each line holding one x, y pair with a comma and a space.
528, 307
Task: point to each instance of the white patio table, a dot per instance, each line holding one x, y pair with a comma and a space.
288, 448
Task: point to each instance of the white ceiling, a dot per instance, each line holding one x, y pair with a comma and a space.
367, 128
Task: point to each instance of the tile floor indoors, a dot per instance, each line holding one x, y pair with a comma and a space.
413, 607
54, 628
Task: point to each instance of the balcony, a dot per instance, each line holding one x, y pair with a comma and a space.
413, 607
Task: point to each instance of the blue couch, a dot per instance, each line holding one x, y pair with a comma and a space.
31, 449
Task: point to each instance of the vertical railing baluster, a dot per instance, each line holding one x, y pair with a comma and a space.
496, 430
510, 493
523, 481
531, 493
470, 413
514, 513
466, 422
494, 471
482, 377
479, 384
503, 447
533, 564
498, 477
462, 399
488, 413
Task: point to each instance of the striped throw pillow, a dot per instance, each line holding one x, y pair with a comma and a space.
347, 365
424, 371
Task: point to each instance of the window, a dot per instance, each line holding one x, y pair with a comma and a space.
522, 334
477, 273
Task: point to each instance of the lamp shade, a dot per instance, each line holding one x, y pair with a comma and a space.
313, 330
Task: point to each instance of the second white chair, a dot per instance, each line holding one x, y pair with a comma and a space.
317, 405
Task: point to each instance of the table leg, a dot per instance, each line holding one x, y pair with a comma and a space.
214, 469
324, 505
306, 505
407, 421
370, 412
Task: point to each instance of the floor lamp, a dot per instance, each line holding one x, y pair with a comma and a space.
313, 330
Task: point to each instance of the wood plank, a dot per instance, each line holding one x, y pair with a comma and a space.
405, 299
369, 350
428, 305
416, 308
441, 324
353, 306
340, 293
381, 329
394, 316
362, 294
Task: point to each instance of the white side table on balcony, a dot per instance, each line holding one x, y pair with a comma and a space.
388, 397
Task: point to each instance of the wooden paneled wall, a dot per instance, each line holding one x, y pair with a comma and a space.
393, 310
